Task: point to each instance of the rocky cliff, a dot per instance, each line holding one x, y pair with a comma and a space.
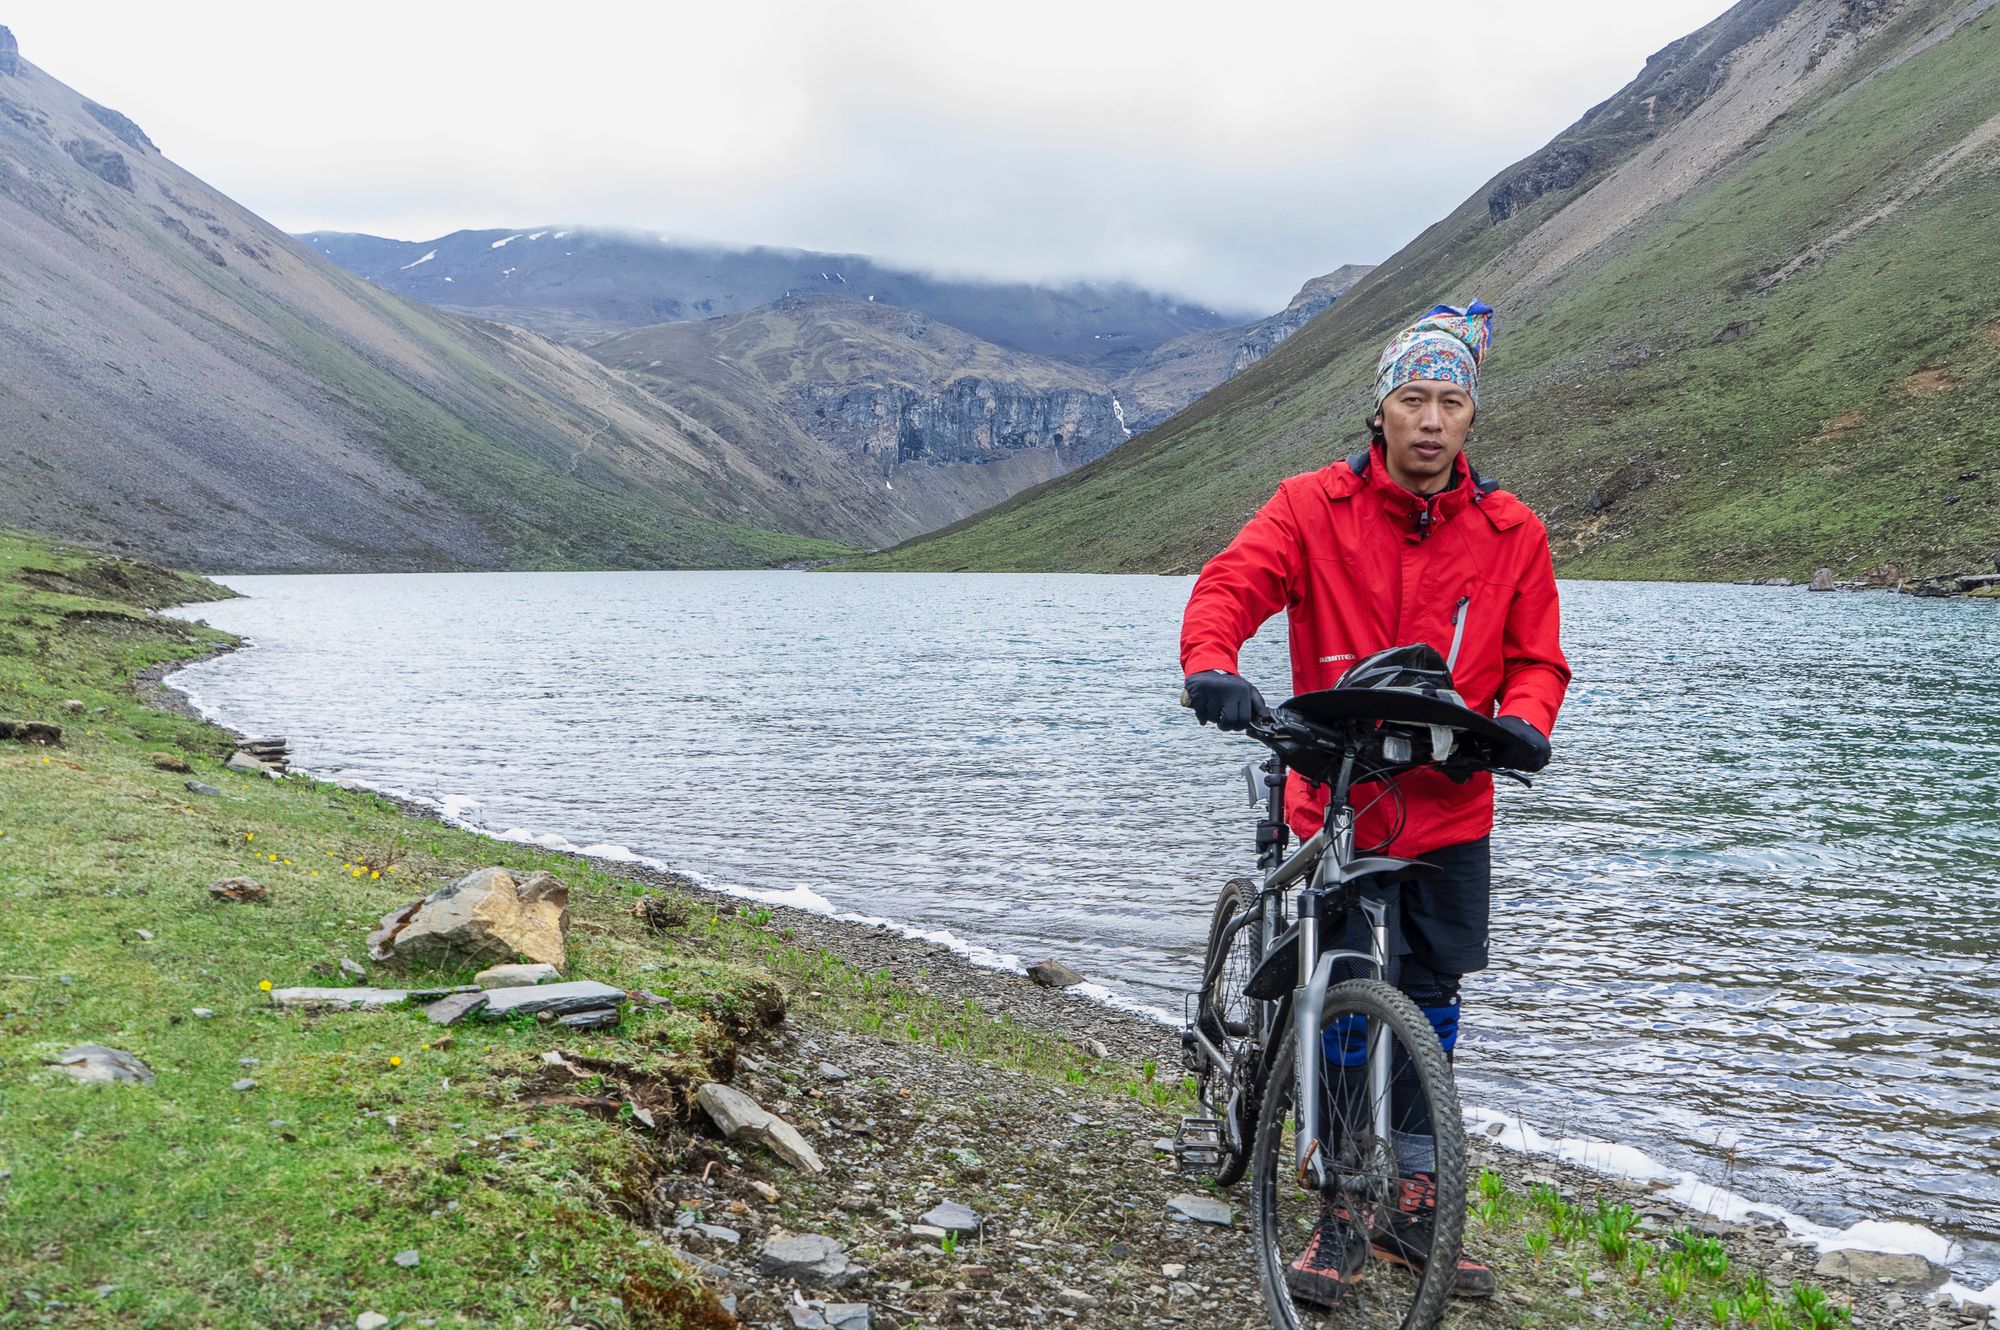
945, 422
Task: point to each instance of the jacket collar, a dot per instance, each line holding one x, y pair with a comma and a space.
1417, 515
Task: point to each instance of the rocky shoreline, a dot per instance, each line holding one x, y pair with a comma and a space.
957, 1193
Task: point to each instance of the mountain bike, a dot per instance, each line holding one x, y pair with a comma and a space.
1326, 1122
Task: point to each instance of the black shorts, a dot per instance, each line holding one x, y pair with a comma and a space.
1441, 922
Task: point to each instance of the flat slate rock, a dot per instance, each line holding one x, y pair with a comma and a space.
1904, 1269
107, 1066
339, 997
1201, 1209
455, 1007
558, 999
595, 1019
811, 1258
952, 1218
201, 790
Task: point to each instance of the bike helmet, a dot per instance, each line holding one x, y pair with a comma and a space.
1411, 669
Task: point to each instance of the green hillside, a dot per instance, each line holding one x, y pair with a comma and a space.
1746, 328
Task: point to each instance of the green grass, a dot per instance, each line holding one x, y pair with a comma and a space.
1849, 422
196, 1204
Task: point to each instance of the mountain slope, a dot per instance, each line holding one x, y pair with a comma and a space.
944, 422
180, 380
1743, 326
582, 284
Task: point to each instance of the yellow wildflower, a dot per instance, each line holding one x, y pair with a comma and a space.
395, 1062
264, 986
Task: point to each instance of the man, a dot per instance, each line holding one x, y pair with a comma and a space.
1402, 543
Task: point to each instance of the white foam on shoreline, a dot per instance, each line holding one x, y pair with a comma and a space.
1608, 1158
1625, 1161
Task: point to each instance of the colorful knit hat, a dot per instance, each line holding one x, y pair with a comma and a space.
1446, 344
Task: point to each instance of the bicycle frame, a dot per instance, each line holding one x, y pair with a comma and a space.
1325, 862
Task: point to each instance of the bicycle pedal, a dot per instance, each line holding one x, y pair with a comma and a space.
1198, 1145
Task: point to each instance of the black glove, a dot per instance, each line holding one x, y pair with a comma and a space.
1224, 700
1530, 749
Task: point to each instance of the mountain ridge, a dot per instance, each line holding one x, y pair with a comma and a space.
182, 381
1695, 284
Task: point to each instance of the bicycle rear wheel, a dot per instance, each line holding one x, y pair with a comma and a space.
1228, 1017
1353, 1215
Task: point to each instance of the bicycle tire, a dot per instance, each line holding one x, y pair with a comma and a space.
1224, 1013
1372, 1305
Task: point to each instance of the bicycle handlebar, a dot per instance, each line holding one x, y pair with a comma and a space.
1267, 731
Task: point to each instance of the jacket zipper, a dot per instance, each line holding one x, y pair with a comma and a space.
1457, 631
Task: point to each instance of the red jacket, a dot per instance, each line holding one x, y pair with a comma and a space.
1362, 564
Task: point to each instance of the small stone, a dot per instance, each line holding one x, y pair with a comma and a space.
352, 967
407, 1259
145, 934
829, 1072
1172, 1270
516, 976
1075, 1297
1096, 1049
73, 707
108, 1066
242, 889
952, 1218
203, 1013
200, 790
244, 765
245, 1084
589, 1020
930, 1232
845, 1315
1118, 1251
1054, 974
1201, 1209
719, 1233
765, 1190
249, 1062
171, 762
370, 1321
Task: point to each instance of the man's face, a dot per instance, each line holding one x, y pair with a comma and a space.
1425, 423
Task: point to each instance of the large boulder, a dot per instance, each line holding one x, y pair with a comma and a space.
486, 917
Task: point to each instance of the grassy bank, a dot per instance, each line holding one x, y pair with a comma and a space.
189, 1202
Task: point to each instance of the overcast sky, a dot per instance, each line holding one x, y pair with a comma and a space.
1221, 151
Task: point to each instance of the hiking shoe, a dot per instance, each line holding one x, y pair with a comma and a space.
1407, 1240
1331, 1262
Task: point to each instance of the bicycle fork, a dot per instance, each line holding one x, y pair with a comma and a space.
1309, 1012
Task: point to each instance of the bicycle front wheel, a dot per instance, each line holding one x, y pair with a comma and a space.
1347, 1256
